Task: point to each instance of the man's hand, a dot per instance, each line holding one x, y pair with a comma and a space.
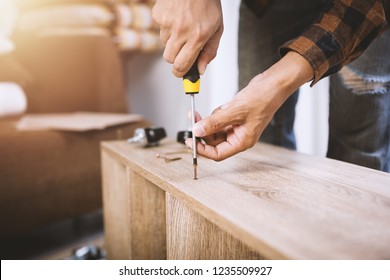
189, 28
237, 125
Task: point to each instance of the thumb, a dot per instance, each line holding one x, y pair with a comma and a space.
218, 121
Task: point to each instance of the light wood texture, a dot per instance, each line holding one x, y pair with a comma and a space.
147, 219
192, 237
134, 214
116, 208
283, 204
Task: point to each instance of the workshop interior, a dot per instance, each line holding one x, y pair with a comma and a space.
78, 73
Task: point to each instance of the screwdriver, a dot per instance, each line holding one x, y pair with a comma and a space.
191, 84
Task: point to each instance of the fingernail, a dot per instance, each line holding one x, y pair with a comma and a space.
189, 142
203, 69
198, 130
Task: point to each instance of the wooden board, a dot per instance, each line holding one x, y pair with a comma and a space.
280, 203
134, 214
192, 237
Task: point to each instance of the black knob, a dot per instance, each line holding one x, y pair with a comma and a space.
182, 136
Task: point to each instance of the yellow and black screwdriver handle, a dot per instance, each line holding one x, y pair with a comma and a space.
191, 80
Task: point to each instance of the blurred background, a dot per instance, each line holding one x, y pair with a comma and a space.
102, 56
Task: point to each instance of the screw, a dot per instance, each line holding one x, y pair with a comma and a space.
167, 159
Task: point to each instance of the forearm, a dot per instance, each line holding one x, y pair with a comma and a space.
283, 78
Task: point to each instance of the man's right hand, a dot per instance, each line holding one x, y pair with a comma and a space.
189, 28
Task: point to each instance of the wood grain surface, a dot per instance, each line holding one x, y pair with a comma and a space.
134, 214
116, 208
192, 237
147, 219
280, 203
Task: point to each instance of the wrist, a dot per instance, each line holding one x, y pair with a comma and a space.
285, 77
291, 72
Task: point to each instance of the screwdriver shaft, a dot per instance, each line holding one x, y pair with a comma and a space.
194, 153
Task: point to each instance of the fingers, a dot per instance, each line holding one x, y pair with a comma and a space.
217, 137
198, 117
223, 150
227, 131
172, 49
217, 153
187, 27
221, 133
164, 36
182, 55
213, 139
209, 51
218, 121
185, 58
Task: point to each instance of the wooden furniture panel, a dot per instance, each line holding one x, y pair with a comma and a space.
134, 214
147, 219
280, 203
190, 236
116, 208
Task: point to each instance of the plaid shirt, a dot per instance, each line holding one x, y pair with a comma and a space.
338, 36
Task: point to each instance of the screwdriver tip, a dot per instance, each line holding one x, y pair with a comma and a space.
195, 172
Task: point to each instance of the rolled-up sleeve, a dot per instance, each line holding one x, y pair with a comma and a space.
339, 35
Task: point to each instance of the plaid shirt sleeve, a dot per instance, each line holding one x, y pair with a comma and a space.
339, 35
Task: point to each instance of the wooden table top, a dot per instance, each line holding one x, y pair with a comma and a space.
282, 203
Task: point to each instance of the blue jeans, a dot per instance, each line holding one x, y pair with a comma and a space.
359, 115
